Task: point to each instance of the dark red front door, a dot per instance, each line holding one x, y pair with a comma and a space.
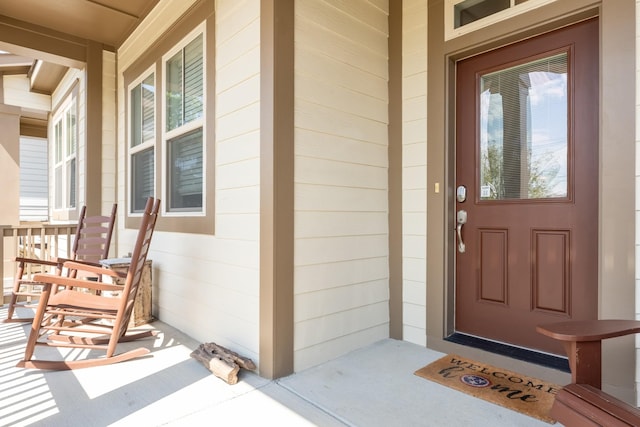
527, 174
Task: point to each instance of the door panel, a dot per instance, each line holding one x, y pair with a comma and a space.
527, 154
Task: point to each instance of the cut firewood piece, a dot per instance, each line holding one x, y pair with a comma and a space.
229, 355
222, 362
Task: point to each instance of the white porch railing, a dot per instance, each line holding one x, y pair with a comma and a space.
37, 240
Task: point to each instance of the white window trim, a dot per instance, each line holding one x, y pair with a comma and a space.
145, 144
186, 128
59, 117
450, 32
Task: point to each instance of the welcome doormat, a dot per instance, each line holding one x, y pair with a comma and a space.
520, 393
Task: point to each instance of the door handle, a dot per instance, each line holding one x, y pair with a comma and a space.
461, 219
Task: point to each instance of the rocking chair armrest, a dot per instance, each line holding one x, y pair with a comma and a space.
589, 330
90, 268
83, 262
582, 341
53, 279
53, 263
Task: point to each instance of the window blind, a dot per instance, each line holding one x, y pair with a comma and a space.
193, 80
148, 108
174, 92
185, 85
71, 177
142, 164
186, 173
136, 116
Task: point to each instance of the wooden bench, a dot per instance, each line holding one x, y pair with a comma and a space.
583, 403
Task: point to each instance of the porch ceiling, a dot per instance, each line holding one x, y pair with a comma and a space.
108, 22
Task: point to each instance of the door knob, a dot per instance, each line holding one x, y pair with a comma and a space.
461, 218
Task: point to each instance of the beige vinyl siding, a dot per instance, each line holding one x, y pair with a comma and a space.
637, 239
414, 176
17, 91
341, 291
208, 286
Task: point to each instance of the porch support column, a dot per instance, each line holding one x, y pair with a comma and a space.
276, 187
10, 164
395, 170
93, 178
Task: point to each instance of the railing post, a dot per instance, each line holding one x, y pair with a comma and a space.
2, 229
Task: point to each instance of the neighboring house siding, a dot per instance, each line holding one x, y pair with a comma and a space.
33, 179
414, 177
208, 286
341, 267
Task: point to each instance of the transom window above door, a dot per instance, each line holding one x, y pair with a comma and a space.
465, 16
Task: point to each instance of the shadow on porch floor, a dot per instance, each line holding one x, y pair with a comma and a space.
373, 386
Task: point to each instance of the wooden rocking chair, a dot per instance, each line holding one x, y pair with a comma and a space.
77, 318
91, 244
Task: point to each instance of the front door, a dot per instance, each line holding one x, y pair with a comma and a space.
527, 187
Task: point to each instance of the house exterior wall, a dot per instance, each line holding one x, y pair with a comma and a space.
414, 177
208, 285
341, 270
637, 198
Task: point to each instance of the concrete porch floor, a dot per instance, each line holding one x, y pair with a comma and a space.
373, 386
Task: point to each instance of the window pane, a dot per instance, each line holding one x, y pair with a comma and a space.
71, 129
193, 73
58, 187
71, 179
523, 131
136, 115
470, 11
142, 165
148, 108
58, 141
185, 172
174, 91
142, 112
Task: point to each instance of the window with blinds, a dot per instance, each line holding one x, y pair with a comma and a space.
65, 143
142, 142
166, 147
184, 122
